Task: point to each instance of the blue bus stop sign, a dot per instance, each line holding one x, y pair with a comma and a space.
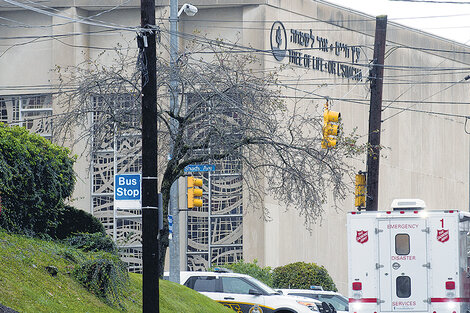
127, 187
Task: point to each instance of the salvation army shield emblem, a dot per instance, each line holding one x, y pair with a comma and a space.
362, 236
442, 235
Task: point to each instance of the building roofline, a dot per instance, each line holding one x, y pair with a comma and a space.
355, 21
395, 24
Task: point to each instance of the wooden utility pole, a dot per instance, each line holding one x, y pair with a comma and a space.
375, 114
150, 244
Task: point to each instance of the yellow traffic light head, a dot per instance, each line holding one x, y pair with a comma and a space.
331, 116
197, 203
197, 192
193, 192
194, 182
328, 143
330, 130
360, 190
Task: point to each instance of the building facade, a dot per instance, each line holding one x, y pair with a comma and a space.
320, 51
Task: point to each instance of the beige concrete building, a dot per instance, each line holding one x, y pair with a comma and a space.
324, 50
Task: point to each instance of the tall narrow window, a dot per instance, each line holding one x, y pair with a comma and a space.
3, 111
402, 244
403, 286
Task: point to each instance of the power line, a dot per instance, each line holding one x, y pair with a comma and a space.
371, 19
251, 50
97, 32
246, 49
82, 21
126, 28
94, 47
91, 18
431, 49
233, 46
356, 100
82, 18
396, 100
442, 90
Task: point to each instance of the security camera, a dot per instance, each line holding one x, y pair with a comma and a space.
189, 9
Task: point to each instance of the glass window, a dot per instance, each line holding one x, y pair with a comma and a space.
261, 286
237, 285
202, 283
468, 251
402, 244
338, 302
3, 111
403, 286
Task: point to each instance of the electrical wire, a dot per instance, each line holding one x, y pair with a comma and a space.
355, 100
403, 110
246, 49
364, 101
268, 51
333, 21
18, 44
421, 101
97, 32
83, 18
391, 101
81, 21
263, 51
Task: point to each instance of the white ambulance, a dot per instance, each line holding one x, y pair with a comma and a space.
409, 259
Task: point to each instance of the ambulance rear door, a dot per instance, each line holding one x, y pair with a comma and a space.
403, 266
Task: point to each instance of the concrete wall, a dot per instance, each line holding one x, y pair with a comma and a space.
425, 156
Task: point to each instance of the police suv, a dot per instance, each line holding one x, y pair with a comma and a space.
337, 300
245, 294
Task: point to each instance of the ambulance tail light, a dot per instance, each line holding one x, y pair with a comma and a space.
357, 290
450, 285
357, 286
450, 289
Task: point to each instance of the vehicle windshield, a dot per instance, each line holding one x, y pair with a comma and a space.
339, 302
264, 287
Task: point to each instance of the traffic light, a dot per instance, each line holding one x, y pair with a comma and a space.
330, 130
193, 192
360, 190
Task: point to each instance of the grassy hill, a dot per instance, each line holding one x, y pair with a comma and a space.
27, 287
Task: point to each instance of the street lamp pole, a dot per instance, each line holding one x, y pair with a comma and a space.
174, 210
190, 10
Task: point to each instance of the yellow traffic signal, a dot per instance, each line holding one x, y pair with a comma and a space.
330, 130
360, 190
193, 192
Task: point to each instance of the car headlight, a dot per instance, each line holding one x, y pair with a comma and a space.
312, 306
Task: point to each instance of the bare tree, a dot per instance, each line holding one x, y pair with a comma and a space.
227, 110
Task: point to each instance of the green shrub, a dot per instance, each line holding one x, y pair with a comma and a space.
263, 274
73, 221
302, 275
106, 277
35, 178
92, 242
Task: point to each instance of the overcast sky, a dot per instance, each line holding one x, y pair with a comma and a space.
449, 20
